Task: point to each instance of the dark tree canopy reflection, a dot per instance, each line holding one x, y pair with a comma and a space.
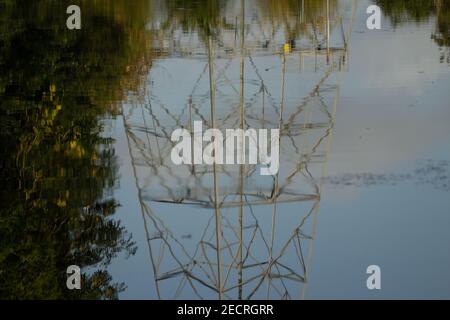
400, 11
57, 169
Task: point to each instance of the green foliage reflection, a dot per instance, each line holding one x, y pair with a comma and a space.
57, 169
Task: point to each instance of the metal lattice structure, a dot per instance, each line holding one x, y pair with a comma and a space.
223, 230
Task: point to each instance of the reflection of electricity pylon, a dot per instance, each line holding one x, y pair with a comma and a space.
249, 241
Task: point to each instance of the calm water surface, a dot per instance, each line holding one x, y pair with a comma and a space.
364, 173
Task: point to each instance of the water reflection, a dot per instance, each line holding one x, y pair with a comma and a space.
211, 232
430, 172
252, 236
58, 169
403, 11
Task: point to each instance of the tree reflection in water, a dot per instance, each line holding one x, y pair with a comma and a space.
403, 11
58, 169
